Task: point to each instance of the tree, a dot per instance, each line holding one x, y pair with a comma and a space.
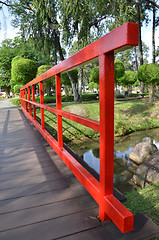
7, 52
149, 74
23, 71
128, 80
49, 83
94, 74
119, 70
66, 81
131, 57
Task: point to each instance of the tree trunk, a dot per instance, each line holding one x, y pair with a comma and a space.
80, 84
7, 90
153, 35
140, 42
151, 92
151, 87
136, 62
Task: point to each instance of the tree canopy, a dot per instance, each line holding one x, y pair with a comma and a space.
23, 70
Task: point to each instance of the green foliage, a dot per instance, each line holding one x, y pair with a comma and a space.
49, 83
52, 99
119, 70
16, 88
129, 78
65, 79
148, 73
16, 102
119, 96
6, 54
23, 70
91, 85
94, 74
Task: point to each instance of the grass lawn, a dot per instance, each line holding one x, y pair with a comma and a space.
130, 116
145, 201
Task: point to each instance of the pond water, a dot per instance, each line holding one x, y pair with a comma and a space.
123, 167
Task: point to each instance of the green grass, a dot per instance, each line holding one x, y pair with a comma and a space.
145, 201
135, 115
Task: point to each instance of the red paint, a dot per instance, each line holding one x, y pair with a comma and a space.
29, 98
42, 102
33, 97
59, 107
104, 48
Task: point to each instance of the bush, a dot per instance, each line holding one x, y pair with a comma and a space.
90, 97
23, 70
16, 102
119, 96
85, 97
17, 88
134, 95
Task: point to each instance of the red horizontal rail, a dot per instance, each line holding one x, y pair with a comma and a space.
102, 191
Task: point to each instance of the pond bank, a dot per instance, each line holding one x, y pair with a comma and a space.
124, 168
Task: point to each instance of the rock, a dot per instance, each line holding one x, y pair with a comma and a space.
147, 172
142, 151
77, 109
155, 114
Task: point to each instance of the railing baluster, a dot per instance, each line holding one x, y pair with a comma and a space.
33, 99
42, 102
59, 107
106, 84
29, 98
26, 104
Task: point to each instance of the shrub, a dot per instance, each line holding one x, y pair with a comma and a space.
23, 70
119, 96
16, 101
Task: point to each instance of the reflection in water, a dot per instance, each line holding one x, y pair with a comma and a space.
123, 167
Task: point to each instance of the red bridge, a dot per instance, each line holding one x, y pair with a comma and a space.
40, 198
104, 48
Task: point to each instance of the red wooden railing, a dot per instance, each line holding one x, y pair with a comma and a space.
104, 48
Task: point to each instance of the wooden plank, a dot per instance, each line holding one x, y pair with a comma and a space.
27, 173
46, 212
23, 167
54, 228
32, 180
25, 160
33, 189
144, 228
40, 199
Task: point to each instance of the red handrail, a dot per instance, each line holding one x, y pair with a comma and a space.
104, 48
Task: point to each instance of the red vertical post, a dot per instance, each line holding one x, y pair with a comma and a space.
26, 104
106, 84
42, 102
21, 96
59, 107
33, 99
29, 98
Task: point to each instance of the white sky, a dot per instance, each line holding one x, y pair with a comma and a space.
11, 32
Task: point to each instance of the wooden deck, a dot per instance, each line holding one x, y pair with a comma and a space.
40, 199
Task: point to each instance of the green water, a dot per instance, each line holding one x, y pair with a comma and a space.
123, 167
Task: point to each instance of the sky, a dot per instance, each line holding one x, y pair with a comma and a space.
11, 32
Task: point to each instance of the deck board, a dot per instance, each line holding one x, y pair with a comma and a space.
39, 196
